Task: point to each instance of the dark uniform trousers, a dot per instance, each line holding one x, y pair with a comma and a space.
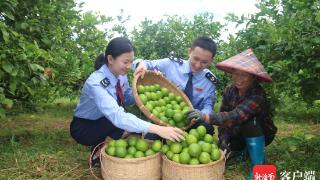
93, 132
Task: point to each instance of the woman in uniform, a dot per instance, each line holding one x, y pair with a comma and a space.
100, 112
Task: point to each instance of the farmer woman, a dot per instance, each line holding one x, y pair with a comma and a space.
244, 119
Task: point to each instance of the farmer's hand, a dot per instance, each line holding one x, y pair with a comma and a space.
195, 114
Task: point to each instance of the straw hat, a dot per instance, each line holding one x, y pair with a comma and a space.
245, 61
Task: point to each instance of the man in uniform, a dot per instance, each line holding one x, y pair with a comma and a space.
191, 76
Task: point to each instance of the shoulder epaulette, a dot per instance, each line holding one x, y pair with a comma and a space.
105, 82
211, 77
173, 57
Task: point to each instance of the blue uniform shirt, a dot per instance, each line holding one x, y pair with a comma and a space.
203, 89
98, 98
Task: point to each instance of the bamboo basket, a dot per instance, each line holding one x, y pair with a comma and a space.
211, 171
144, 168
151, 78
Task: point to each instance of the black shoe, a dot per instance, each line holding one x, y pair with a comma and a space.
95, 161
236, 157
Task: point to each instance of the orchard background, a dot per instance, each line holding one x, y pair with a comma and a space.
48, 48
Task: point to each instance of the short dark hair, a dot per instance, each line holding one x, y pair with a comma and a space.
118, 46
205, 42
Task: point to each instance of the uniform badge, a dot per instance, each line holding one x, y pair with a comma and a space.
172, 57
211, 77
105, 82
199, 89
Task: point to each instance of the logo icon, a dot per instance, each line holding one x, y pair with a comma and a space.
264, 172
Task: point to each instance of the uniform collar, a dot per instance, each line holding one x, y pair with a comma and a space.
107, 73
187, 69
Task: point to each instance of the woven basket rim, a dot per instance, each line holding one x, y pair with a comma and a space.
222, 158
149, 114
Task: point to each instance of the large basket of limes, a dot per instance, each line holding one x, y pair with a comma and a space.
161, 101
132, 158
197, 157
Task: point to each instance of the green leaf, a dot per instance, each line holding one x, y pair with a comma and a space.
292, 148
23, 25
14, 72
9, 15
13, 86
308, 136
7, 67
5, 34
2, 113
35, 67
318, 17
7, 102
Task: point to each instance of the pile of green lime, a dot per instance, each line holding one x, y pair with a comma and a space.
163, 104
132, 147
197, 148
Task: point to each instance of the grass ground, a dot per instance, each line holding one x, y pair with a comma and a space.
38, 146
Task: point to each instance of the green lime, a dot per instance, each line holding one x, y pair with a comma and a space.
162, 102
164, 91
208, 138
169, 113
142, 145
176, 148
132, 150
156, 145
153, 88
112, 142
183, 104
215, 154
158, 87
194, 149
172, 123
121, 143
139, 154
194, 161
184, 158
204, 158
178, 99
129, 156
143, 98
214, 146
194, 132
180, 124
149, 106
191, 139
141, 89
149, 152
185, 149
169, 154
178, 117
165, 148
111, 150
159, 94
175, 158
201, 130
121, 152
171, 96
206, 147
